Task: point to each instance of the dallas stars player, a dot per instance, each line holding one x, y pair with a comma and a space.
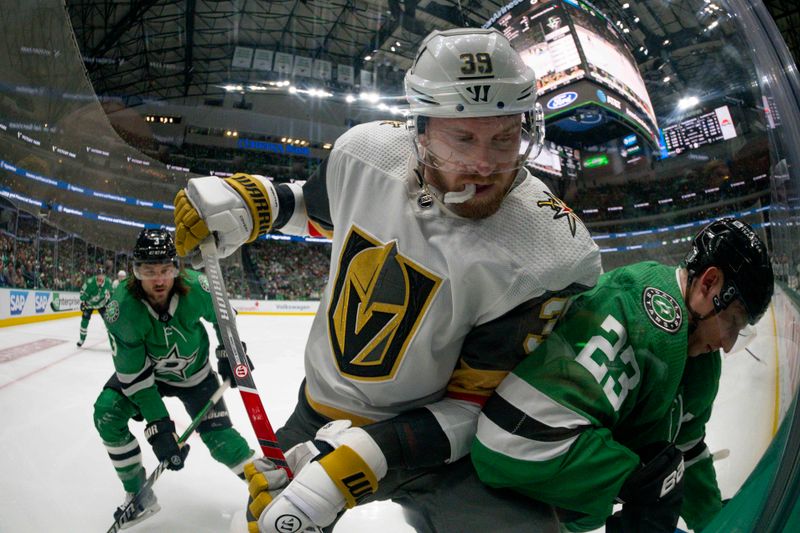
450, 262
160, 348
613, 402
95, 294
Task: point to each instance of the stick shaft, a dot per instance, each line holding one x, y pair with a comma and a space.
226, 320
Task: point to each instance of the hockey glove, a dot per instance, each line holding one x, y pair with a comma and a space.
84, 307
238, 209
224, 365
651, 497
162, 437
346, 472
265, 480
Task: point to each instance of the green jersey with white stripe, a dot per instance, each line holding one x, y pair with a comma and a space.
95, 295
612, 377
170, 347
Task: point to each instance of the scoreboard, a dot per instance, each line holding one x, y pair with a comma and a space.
700, 130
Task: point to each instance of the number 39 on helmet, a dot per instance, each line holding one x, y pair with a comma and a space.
466, 73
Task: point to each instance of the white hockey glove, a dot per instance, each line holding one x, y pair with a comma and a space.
238, 209
341, 478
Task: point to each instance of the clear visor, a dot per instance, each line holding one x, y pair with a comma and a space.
743, 340
734, 331
150, 271
481, 145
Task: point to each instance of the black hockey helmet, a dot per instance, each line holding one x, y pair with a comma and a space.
155, 246
733, 247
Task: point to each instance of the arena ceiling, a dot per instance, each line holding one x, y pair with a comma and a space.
168, 50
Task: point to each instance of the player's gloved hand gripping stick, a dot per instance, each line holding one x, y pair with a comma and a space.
128, 511
238, 359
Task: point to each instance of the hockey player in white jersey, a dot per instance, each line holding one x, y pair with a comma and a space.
450, 262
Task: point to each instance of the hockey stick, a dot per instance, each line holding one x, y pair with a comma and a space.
226, 321
129, 509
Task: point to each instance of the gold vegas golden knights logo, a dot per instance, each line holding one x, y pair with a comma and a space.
377, 304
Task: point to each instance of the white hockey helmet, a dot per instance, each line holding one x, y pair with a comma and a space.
466, 73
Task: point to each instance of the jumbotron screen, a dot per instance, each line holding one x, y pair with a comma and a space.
580, 61
700, 130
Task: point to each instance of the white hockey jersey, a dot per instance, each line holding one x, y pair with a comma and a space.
423, 308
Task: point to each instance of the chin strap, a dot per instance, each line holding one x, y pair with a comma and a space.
694, 316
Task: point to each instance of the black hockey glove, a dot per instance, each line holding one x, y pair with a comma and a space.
162, 437
652, 495
224, 367
84, 307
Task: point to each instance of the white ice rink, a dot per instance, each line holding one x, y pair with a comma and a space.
55, 475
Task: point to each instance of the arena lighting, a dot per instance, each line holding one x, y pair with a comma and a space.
162, 119
688, 102
372, 98
319, 93
367, 96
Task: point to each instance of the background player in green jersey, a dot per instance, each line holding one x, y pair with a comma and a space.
95, 293
161, 348
610, 406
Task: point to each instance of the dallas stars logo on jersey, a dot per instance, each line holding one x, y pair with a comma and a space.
377, 303
173, 363
662, 309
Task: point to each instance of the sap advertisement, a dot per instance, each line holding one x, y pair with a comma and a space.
19, 303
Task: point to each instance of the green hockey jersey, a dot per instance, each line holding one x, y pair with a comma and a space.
171, 348
613, 376
96, 295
